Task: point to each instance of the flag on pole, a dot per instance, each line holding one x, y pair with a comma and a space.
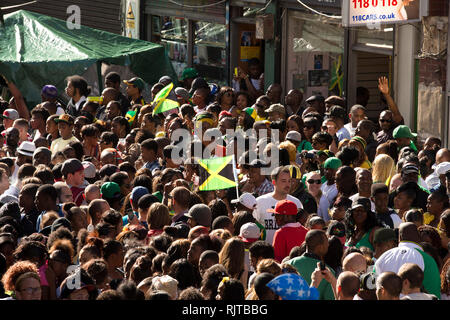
217, 173
165, 100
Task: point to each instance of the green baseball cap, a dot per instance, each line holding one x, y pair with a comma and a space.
110, 190
189, 73
332, 163
403, 132
137, 82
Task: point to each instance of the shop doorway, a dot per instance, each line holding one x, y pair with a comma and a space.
370, 67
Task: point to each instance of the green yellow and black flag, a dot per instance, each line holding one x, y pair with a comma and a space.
165, 100
217, 173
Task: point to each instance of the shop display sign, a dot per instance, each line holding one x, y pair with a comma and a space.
375, 12
132, 22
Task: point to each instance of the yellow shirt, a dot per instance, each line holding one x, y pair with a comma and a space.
59, 144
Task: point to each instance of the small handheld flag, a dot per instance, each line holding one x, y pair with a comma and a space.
162, 102
217, 173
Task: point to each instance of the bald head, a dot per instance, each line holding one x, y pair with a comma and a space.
96, 208
109, 94
443, 155
348, 285
92, 192
407, 231
355, 262
293, 98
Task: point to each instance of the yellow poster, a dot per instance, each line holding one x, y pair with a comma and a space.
250, 52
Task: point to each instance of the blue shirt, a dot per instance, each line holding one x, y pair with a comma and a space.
152, 165
39, 219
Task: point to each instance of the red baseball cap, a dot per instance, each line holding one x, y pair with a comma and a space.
285, 207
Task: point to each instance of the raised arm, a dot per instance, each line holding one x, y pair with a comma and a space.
383, 86
18, 99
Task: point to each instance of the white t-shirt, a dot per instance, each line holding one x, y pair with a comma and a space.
396, 220
59, 111
394, 258
265, 202
330, 191
372, 204
350, 129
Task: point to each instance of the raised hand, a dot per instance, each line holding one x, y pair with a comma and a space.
383, 85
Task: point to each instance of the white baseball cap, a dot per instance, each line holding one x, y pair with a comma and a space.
250, 232
442, 168
294, 135
247, 200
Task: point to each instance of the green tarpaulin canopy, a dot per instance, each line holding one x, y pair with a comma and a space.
36, 50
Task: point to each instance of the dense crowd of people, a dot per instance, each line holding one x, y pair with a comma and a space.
101, 199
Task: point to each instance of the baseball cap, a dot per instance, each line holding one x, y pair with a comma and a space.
189, 73
332, 163
276, 108
182, 92
361, 202
403, 131
257, 163
49, 91
65, 118
315, 98
71, 166
294, 136
442, 168
11, 114
247, 200
136, 81
26, 148
285, 207
201, 214
336, 228
110, 190
251, 112
137, 193
410, 168
383, 235
89, 169
250, 232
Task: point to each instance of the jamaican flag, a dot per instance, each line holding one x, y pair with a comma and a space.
217, 173
165, 100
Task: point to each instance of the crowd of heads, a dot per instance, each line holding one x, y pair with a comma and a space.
102, 198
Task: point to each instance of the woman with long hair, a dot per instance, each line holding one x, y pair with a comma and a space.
360, 224
383, 169
232, 257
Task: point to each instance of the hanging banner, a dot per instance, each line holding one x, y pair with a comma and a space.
375, 12
132, 19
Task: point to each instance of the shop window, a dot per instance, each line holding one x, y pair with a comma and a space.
315, 48
209, 55
377, 38
172, 33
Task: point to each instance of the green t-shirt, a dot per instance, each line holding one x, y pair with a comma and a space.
304, 145
431, 277
305, 267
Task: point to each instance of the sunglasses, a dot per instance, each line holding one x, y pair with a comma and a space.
311, 181
385, 120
